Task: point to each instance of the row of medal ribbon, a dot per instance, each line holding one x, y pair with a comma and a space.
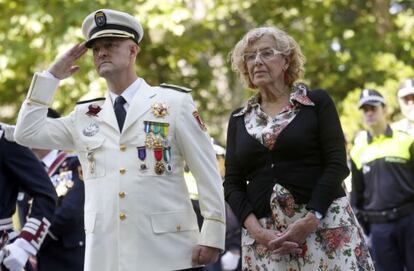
156, 140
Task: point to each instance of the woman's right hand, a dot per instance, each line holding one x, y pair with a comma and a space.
265, 236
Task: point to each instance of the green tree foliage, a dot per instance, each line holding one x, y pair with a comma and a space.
349, 45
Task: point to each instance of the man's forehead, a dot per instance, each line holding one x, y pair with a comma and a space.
108, 40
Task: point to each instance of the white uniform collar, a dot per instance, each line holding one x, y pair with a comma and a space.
50, 158
128, 93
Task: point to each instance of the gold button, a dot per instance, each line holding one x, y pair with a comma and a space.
122, 171
122, 194
122, 216
178, 227
122, 147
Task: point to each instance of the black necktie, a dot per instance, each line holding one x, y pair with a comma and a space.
120, 112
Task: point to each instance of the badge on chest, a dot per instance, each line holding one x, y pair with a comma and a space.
156, 142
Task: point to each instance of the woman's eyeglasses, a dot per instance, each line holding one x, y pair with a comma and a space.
265, 54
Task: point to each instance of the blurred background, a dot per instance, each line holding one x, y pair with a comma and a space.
349, 45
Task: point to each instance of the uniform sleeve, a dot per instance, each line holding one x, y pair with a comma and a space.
235, 182
332, 142
26, 170
33, 128
69, 214
197, 149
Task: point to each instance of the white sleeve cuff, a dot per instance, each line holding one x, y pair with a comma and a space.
43, 88
23, 244
48, 74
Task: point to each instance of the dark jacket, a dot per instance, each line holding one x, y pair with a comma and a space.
21, 170
68, 251
309, 159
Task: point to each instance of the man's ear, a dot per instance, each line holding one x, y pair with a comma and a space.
134, 49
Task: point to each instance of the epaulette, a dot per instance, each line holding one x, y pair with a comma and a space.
175, 87
92, 100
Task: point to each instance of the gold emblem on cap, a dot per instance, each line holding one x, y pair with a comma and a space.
159, 110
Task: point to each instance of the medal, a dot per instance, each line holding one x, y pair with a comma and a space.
147, 127
167, 159
159, 166
159, 110
149, 141
142, 154
158, 142
164, 130
91, 130
91, 160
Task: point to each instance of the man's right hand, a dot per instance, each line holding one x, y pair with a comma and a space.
64, 66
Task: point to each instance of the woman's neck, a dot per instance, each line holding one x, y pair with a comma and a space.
274, 100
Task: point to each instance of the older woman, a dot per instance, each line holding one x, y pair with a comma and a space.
285, 163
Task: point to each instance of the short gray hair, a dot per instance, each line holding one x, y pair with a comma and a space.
284, 43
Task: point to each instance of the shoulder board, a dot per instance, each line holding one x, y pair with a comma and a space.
175, 87
92, 100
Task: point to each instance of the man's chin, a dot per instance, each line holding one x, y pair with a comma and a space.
103, 72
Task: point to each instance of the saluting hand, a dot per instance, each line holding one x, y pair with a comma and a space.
204, 255
64, 66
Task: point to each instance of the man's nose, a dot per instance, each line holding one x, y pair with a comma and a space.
102, 52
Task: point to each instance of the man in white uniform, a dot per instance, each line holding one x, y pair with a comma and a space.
132, 146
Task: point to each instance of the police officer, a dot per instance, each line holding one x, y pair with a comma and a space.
406, 101
383, 185
132, 146
64, 247
20, 170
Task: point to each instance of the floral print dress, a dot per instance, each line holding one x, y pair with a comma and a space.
337, 244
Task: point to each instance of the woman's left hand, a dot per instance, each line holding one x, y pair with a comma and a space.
296, 232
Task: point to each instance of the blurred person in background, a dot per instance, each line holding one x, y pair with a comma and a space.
285, 163
64, 246
405, 96
21, 171
382, 162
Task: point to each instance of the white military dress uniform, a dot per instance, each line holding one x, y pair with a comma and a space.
135, 218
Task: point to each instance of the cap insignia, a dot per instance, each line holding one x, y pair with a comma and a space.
100, 18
